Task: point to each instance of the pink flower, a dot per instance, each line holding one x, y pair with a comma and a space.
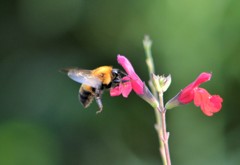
209, 104
134, 83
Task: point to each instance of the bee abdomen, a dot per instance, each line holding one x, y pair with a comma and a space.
85, 97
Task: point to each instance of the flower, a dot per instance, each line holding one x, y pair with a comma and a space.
134, 83
187, 94
208, 103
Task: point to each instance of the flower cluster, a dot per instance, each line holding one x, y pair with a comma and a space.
209, 104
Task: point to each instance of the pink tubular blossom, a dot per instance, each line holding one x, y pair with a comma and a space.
134, 82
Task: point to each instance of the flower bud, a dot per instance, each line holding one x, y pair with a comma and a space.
147, 43
165, 82
156, 82
161, 83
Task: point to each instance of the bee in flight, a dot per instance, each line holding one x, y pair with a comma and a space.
94, 82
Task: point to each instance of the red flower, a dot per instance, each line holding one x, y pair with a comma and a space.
187, 94
134, 82
209, 104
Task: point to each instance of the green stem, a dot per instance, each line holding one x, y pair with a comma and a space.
160, 112
147, 44
158, 127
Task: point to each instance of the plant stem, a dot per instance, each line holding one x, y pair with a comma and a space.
158, 127
160, 112
161, 129
165, 134
164, 139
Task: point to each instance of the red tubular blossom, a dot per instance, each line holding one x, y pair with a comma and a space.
209, 104
187, 94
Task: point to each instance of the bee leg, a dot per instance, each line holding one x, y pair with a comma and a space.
99, 101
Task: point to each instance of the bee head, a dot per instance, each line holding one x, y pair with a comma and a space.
118, 75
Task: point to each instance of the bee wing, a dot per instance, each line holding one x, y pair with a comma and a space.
83, 76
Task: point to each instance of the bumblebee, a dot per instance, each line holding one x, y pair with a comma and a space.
94, 82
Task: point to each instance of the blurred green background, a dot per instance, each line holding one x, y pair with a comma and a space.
41, 120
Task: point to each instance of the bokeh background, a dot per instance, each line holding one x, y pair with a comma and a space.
41, 120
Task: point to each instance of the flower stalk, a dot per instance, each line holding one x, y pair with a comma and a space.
160, 111
209, 104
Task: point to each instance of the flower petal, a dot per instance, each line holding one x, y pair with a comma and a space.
125, 63
137, 83
203, 77
123, 88
216, 102
201, 98
116, 91
138, 87
187, 94
126, 89
209, 104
